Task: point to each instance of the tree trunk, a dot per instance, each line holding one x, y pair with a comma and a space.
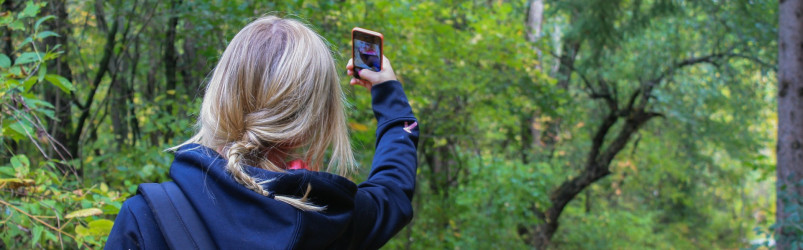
103, 68
790, 122
61, 127
171, 62
8, 46
596, 167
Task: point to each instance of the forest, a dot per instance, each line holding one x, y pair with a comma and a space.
547, 124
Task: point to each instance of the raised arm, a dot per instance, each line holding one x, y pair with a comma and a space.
384, 201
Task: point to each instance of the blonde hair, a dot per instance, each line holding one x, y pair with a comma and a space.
275, 91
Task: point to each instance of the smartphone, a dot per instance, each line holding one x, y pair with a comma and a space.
366, 50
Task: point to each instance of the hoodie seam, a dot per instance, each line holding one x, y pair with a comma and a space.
296, 234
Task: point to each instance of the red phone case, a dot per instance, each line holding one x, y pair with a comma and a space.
364, 32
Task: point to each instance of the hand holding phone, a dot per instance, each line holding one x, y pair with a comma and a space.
366, 50
370, 78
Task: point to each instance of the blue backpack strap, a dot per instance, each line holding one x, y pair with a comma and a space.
181, 226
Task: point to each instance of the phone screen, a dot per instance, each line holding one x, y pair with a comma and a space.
367, 52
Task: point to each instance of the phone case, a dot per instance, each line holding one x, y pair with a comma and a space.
367, 32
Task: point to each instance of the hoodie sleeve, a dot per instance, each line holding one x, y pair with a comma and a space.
383, 202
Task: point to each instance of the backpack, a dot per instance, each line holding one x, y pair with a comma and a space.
180, 224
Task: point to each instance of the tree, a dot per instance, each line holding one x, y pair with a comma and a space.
790, 123
629, 98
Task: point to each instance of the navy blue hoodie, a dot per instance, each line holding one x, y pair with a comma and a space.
356, 217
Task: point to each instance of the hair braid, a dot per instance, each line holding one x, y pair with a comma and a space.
237, 153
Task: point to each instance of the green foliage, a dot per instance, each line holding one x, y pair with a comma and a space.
36, 195
698, 177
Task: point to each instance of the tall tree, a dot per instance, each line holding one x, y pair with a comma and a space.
625, 98
171, 60
790, 122
61, 125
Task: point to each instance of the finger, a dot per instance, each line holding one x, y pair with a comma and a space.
350, 65
385, 63
350, 72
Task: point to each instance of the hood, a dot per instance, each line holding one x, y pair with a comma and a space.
237, 217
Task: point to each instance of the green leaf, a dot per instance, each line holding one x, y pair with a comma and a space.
28, 57
41, 74
31, 9
23, 128
27, 84
37, 234
7, 171
26, 41
5, 20
60, 82
81, 231
41, 20
79, 240
17, 25
5, 61
21, 165
100, 227
45, 34
37, 104
109, 209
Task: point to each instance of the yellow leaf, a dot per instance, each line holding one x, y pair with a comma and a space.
171, 92
14, 183
88, 159
84, 213
358, 127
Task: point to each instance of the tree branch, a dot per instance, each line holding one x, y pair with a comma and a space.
104, 67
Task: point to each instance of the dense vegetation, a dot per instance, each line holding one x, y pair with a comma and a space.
634, 123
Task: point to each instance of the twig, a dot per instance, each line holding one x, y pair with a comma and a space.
40, 221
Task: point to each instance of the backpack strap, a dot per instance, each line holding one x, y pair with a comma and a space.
181, 226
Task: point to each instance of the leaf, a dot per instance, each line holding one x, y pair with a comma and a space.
20, 164
14, 183
60, 82
41, 74
26, 41
46, 34
109, 209
81, 231
84, 213
22, 128
27, 84
27, 57
37, 234
100, 227
5, 61
7, 171
17, 25
41, 20
31, 9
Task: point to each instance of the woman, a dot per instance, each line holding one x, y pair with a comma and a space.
272, 110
